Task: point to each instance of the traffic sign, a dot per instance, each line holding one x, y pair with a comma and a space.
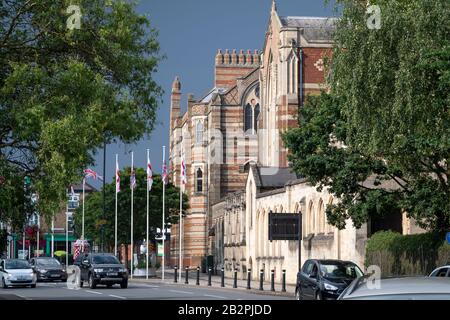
448, 237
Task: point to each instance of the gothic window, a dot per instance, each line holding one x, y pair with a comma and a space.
199, 132
199, 180
252, 111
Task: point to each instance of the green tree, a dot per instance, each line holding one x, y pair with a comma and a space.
380, 139
94, 209
64, 92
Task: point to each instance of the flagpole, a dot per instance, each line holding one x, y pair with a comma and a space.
181, 232
132, 193
67, 235
82, 227
115, 209
146, 241
38, 234
53, 235
163, 216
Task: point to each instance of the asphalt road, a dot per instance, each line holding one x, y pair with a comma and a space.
135, 291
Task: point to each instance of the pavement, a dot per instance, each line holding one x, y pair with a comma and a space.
216, 283
152, 289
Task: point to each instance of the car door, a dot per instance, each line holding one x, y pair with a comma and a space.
2, 269
311, 281
304, 279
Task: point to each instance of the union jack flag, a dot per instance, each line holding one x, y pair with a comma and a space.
117, 177
89, 173
149, 174
183, 171
133, 179
164, 173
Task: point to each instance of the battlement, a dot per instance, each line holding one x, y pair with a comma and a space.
240, 59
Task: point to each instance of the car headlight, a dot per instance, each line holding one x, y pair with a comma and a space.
98, 270
31, 274
10, 276
330, 287
43, 271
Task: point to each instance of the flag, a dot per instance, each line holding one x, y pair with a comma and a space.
89, 173
133, 179
164, 173
117, 177
183, 171
149, 174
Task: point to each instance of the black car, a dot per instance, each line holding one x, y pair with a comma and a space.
48, 269
103, 269
325, 279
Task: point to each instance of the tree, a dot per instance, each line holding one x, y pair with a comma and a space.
380, 139
63, 92
94, 209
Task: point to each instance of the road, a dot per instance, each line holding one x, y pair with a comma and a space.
136, 291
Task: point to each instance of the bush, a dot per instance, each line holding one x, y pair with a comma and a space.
398, 254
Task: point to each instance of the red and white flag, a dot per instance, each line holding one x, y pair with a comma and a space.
183, 171
149, 174
117, 177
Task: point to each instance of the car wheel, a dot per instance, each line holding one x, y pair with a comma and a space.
81, 284
4, 283
109, 286
124, 284
92, 283
64, 280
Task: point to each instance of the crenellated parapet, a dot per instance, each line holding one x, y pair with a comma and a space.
234, 58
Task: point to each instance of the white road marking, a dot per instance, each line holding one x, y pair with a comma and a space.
179, 291
114, 296
93, 292
213, 296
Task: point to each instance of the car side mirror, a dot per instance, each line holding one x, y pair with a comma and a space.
313, 275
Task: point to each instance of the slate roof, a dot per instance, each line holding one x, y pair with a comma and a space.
314, 28
272, 177
207, 98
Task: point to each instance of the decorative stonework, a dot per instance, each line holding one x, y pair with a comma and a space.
319, 64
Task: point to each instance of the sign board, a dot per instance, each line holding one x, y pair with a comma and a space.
160, 250
448, 237
284, 226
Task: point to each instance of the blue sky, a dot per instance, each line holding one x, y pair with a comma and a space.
190, 33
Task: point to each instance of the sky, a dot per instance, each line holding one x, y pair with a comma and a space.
190, 33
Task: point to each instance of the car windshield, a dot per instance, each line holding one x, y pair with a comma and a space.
17, 264
47, 262
105, 260
340, 270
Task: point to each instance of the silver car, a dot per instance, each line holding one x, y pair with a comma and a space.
17, 272
408, 288
443, 271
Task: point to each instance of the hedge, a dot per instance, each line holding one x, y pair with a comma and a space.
406, 255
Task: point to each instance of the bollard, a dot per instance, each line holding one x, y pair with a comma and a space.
175, 277
283, 286
186, 281
249, 278
198, 276
261, 279
272, 280
235, 278
222, 282
209, 277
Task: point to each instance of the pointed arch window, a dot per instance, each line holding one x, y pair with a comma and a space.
199, 132
252, 110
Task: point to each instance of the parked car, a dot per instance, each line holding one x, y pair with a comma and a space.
407, 288
48, 269
325, 279
443, 271
17, 272
103, 269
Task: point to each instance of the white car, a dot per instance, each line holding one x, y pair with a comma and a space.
17, 272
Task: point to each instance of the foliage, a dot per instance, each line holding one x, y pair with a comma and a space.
64, 92
398, 254
380, 138
94, 209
